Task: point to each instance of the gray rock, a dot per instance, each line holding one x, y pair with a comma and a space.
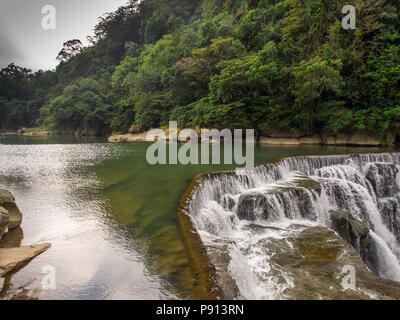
382, 177
4, 218
356, 233
7, 201
293, 198
390, 213
14, 258
315, 263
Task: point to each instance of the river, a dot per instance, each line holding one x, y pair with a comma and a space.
109, 215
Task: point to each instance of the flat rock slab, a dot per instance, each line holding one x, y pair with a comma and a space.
12, 258
316, 261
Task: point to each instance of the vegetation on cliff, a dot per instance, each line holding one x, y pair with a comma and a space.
213, 63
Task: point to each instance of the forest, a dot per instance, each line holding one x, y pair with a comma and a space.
260, 64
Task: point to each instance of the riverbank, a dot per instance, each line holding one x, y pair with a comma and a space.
323, 263
272, 138
285, 138
28, 134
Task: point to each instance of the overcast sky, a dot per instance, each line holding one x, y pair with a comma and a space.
24, 41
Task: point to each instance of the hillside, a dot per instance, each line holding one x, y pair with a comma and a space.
225, 64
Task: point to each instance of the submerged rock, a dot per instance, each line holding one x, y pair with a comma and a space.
4, 218
7, 201
14, 258
356, 233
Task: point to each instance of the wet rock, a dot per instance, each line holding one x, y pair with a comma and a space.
349, 229
347, 196
12, 238
250, 203
389, 210
382, 177
356, 138
7, 201
22, 294
278, 141
315, 262
356, 233
220, 259
15, 258
294, 199
4, 218
229, 203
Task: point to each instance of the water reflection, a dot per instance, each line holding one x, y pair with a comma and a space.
109, 216
59, 194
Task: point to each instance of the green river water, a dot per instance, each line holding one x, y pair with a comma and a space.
110, 216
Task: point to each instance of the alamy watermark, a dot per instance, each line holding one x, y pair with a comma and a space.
188, 153
49, 18
349, 20
49, 278
349, 278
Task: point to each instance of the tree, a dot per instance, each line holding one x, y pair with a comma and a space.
70, 49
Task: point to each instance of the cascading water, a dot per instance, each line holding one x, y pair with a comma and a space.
249, 212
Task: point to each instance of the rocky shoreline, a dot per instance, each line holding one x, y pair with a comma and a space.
273, 138
285, 138
28, 134
13, 257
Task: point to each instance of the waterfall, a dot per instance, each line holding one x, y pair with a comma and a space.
251, 207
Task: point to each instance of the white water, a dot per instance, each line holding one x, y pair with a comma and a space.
367, 186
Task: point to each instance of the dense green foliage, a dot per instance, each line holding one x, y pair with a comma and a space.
234, 64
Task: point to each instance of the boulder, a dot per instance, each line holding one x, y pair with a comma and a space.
350, 229
389, 209
37, 134
278, 141
356, 233
315, 139
282, 133
128, 137
382, 177
7, 201
228, 203
13, 238
290, 198
14, 258
4, 217
254, 205
356, 138
137, 137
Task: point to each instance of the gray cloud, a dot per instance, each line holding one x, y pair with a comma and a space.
23, 40
9, 52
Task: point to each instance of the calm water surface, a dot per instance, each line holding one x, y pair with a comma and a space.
110, 217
